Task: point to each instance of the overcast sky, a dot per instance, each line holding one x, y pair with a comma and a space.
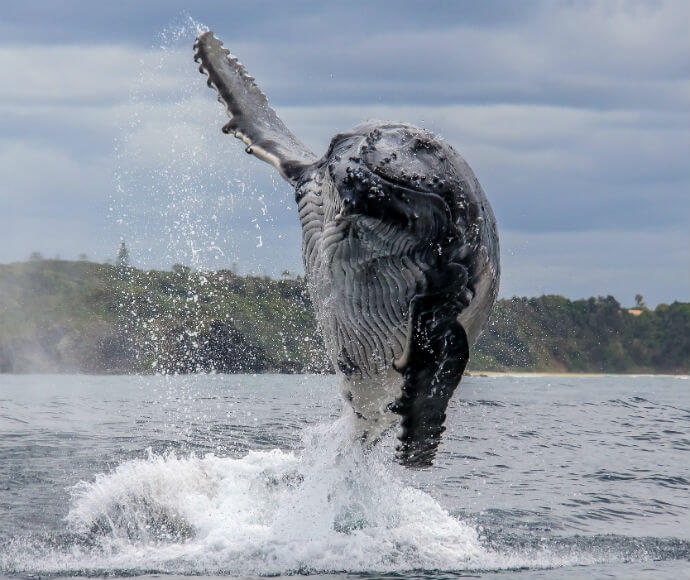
574, 115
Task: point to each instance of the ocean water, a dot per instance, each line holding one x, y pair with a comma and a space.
237, 475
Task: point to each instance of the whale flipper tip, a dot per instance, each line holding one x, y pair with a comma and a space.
251, 118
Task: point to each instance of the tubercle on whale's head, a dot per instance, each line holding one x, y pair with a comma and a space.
396, 172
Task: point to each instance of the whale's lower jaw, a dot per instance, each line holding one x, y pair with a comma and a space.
365, 279
406, 385
365, 311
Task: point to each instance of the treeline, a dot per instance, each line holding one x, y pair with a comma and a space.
64, 316
552, 333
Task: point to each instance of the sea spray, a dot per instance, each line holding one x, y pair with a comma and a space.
329, 507
183, 194
186, 198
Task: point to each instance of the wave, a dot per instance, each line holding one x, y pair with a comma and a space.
329, 508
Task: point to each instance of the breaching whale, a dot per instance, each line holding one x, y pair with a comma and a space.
400, 249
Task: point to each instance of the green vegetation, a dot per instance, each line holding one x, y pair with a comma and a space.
554, 334
63, 316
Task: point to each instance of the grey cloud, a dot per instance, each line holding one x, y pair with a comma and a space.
79, 76
72, 21
581, 54
597, 263
585, 54
573, 115
47, 182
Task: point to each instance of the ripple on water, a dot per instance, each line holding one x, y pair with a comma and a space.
523, 484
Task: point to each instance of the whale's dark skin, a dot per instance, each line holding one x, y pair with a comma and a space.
400, 249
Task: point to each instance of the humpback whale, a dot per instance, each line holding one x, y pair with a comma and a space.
401, 254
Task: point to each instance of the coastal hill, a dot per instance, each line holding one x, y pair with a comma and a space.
80, 316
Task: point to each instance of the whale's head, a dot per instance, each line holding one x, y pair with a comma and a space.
398, 188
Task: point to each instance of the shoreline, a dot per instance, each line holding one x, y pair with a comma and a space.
566, 374
470, 374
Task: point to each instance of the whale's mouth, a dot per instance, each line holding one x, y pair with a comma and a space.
395, 198
407, 157
397, 174
368, 189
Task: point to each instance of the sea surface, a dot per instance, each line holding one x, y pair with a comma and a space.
238, 475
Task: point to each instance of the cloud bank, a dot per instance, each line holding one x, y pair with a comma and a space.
574, 116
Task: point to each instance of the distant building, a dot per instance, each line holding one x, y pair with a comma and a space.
634, 311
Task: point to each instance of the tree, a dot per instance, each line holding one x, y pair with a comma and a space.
181, 270
639, 301
122, 256
35, 257
83, 257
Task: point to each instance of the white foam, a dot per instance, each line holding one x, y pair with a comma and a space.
328, 508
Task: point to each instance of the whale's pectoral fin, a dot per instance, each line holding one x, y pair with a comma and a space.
251, 118
432, 365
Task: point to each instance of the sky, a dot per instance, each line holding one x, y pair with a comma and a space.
574, 115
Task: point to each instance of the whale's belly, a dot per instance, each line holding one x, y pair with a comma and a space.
364, 310
362, 279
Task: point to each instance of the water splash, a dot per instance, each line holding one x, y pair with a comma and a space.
188, 197
275, 512
184, 193
328, 508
